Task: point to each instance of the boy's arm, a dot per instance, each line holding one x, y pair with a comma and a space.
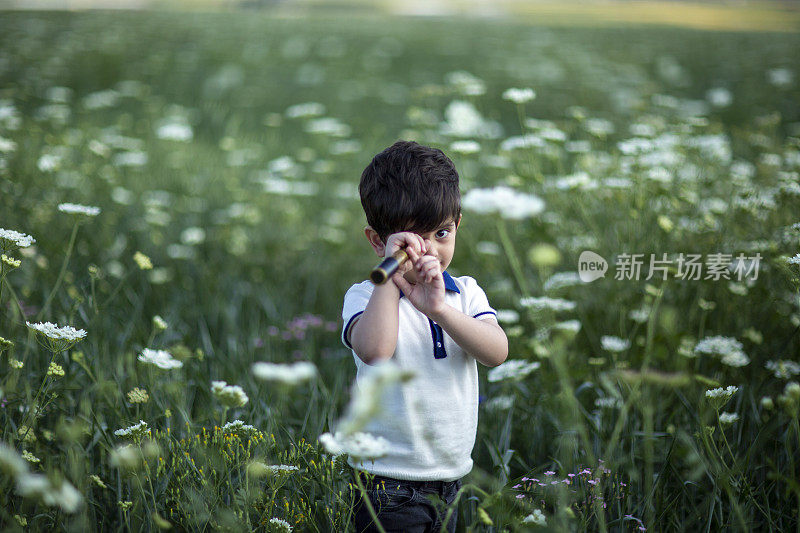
484, 339
374, 334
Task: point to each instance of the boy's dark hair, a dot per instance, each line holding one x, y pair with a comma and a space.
409, 187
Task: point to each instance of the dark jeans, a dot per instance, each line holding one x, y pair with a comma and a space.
406, 506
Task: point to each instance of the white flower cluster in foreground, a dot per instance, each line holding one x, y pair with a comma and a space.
136, 431
78, 209
794, 260
505, 201
229, 395
536, 518
18, 239
160, 358
289, 374
360, 445
282, 525
364, 406
52, 331
57, 339
729, 349
515, 368
719, 392
38, 486
241, 429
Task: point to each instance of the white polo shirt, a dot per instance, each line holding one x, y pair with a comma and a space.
431, 421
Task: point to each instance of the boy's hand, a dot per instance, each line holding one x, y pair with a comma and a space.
411, 242
427, 295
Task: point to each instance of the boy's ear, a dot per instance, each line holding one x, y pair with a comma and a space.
375, 240
458, 222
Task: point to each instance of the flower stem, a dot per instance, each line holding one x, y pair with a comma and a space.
516, 267
70, 246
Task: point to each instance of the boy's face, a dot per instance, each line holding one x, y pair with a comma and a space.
440, 243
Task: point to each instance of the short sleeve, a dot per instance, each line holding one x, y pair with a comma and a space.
355, 302
477, 302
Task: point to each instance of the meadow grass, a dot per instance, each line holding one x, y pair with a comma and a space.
224, 153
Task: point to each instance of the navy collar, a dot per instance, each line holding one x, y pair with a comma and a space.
449, 284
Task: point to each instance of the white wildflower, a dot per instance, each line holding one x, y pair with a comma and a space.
545, 302
559, 280
358, 445
464, 120
570, 326
11, 462
363, 406
193, 236
466, 83
536, 518
507, 202
718, 345
16, 238
519, 96
241, 429
794, 260
513, 369
719, 97
308, 109
728, 418
136, 431
720, 396
328, 126
780, 77
57, 339
229, 395
465, 147
736, 359
613, 343
282, 468
160, 358
719, 392
78, 209
639, 315
499, 403
39, 486
508, 316
175, 131
290, 374
283, 525
52, 331
783, 369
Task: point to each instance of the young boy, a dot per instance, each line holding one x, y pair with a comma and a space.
425, 320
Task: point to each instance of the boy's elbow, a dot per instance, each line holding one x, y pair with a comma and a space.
373, 359
371, 356
502, 352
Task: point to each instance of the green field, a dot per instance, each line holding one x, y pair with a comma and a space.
226, 149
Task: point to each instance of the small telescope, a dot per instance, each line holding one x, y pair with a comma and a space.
388, 266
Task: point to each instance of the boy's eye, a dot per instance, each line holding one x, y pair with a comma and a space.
442, 233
